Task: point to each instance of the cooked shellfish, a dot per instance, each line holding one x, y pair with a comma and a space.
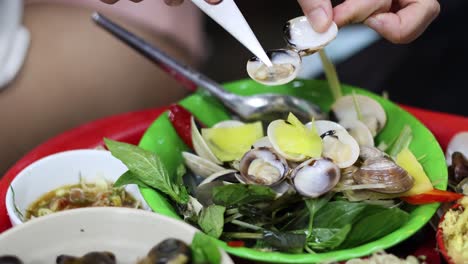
263, 166
371, 112
300, 36
200, 166
382, 170
338, 144
286, 65
315, 177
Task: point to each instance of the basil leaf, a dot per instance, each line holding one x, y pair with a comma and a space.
327, 238
285, 241
211, 220
238, 194
338, 214
376, 223
129, 178
180, 172
204, 250
148, 168
314, 205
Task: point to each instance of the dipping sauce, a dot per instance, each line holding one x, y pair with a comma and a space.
83, 194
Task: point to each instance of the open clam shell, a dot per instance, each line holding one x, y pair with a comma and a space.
228, 123
204, 191
338, 144
372, 113
263, 166
315, 177
359, 131
286, 66
263, 142
300, 35
200, 166
200, 146
271, 137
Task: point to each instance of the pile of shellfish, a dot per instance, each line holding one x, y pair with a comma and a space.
346, 157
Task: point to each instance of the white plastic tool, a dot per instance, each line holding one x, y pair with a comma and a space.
228, 15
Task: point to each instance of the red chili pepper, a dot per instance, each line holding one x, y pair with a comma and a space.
432, 196
180, 119
236, 243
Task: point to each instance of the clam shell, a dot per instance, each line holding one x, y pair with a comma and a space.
223, 176
331, 149
366, 153
289, 156
315, 177
382, 170
263, 142
200, 146
200, 166
300, 35
204, 191
359, 131
228, 123
373, 114
286, 66
274, 167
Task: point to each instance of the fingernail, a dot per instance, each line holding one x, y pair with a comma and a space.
373, 22
318, 19
213, 2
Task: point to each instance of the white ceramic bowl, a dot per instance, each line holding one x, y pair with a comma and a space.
61, 169
128, 233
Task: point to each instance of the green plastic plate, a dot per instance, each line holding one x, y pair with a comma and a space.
162, 139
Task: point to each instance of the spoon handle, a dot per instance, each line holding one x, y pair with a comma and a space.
182, 73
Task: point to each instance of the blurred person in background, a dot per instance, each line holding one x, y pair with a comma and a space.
74, 73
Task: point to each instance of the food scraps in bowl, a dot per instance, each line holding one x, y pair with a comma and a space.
99, 192
69, 180
453, 233
201, 251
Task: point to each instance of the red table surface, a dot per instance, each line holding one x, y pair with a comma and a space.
129, 127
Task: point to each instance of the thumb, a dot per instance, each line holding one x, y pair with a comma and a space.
318, 12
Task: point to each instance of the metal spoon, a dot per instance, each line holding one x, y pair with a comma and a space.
259, 107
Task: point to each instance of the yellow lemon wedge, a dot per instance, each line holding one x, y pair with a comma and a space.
293, 140
231, 143
408, 161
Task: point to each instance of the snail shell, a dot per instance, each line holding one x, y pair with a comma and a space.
382, 170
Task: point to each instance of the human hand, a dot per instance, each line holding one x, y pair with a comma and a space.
399, 21
168, 2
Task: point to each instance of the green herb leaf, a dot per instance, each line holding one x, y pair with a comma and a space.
180, 172
285, 241
327, 238
129, 178
376, 222
314, 205
148, 168
204, 250
15, 207
211, 220
403, 141
338, 214
238, 194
